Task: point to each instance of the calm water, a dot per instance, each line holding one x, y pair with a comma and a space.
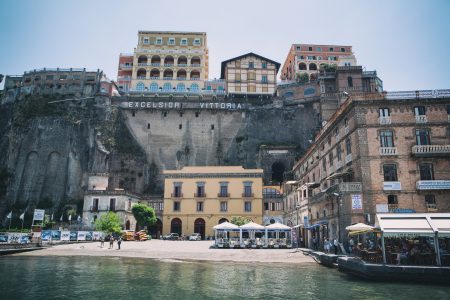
124, 278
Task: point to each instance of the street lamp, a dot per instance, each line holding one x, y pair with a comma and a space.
297, 208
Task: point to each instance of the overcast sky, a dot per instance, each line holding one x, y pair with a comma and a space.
406, 42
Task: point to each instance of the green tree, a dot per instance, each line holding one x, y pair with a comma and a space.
109, 223
144, 214
302, 77
239, 220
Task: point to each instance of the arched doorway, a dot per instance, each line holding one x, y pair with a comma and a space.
156, 229
223, 220
175, 226
199, 227
278, 169
127, 225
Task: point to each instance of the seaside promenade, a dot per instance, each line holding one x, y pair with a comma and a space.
175, 250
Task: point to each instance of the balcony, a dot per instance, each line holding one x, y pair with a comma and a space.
421, 119
348, 158
140, 77
168, 78
195, 78
345, 187
431, 150
392, 186
181, 78
155, 64
386, 151
155, 77
126, 67
223, 195
433, 185
195, 65
182, 65
176, 195
384, 120
201, 195
247, 195
168, 65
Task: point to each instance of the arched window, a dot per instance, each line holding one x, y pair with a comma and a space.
156, 60
195, 75
141, 73
168, 74
194, 87
175, 226
168, 61
312, 66
223, 220
302, 66
182, 61
181, 74
181, 87
140, 87
154, 74
154, 87
195, 61
167, 87
142, 59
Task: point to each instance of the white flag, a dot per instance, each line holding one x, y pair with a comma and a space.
61, 219
51, 218
9, 215
70, 217
22, 216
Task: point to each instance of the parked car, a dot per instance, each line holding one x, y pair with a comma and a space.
195, 237
171, 236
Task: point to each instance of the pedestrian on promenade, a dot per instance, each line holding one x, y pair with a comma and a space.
119, 241
326, 246
351, 245
102, 241
336, 245
111, 242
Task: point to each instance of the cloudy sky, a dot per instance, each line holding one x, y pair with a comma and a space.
406, 42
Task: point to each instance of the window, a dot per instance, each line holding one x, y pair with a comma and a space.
392, 202
383, 112
331, 49
324, 164
348, 146
299, 48
309, 48
423, 137
183, 42
180, 126
329, 140
95, 204
212, 126
197, 114
176, 206
238, 64
318, 49
112, 204
49, 77
200, 189
165, 114
148, 125
339, 152
238, 77
251, 65
248, 189
330, 158
430, 201
223, 206
61, 77
199, 206
386, 138
177, 190
346, 122
146, 41
159, 41
264, 79
264, 65
390, 172
350, 81
171, 41
426, 171
248, 206
342, 49
197, 42
140, 87
251, 76
223, 189
336, 132
133, 113
419, 110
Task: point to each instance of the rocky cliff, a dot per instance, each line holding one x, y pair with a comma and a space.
48, 149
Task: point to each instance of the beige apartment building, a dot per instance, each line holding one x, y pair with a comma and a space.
250, 74
198, 198
380, 152
307, 58
169, 61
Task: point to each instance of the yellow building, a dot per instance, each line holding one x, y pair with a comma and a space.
170, 61
198, 198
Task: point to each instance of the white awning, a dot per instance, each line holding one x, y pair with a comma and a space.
278, 227
252, 226
291, 182
226, 226
413, 224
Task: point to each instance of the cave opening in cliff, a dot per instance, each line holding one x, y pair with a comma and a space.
278, 169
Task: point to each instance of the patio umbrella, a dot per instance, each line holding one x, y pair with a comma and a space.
359, 227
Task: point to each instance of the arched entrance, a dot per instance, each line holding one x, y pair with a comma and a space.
278, 169
223, 220
156, 229
175, 226
127, 225
199, 227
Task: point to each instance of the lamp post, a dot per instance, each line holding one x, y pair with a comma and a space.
339, 203
297, 208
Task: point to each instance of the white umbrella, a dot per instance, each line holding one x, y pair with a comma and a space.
225, 226
252, 226
359, 227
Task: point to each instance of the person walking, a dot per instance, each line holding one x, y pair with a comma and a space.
102, 241
111, 242
336, 245
119, 241
351, 245
326, 246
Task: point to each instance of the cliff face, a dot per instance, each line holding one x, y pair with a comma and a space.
48, 149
